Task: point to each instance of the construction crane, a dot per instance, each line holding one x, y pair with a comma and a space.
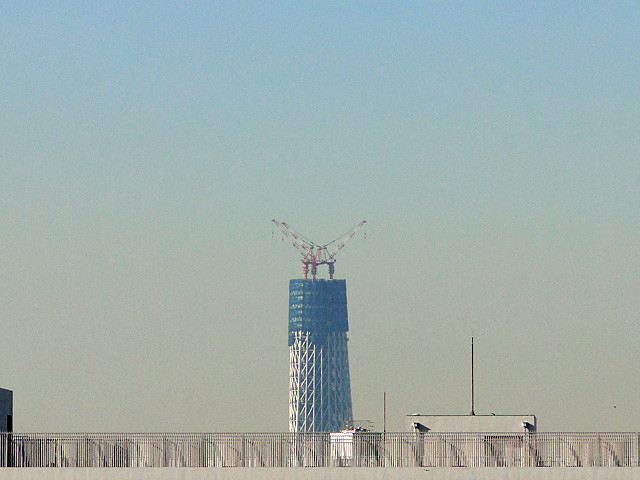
313, 254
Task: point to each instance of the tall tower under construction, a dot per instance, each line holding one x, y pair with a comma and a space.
319, 381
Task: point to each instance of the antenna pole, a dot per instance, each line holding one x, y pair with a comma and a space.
384, 413
472, 385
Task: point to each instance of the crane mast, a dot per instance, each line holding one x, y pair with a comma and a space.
314, 254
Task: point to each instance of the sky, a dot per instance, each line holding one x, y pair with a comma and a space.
492, 147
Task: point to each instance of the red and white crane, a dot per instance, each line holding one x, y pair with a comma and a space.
314, 254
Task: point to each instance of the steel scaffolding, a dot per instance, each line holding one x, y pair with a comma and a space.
319, 384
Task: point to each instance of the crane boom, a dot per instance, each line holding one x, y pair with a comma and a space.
314, 254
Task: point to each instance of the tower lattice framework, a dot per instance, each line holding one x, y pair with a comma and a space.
319, 381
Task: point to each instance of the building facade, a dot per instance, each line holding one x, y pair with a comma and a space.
6, 410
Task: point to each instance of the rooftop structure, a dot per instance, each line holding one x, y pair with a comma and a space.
471, 423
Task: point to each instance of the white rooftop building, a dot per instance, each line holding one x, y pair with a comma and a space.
471, 423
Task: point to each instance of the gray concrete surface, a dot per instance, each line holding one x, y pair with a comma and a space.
317, 473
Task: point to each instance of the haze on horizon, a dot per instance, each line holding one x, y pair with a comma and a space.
144, 148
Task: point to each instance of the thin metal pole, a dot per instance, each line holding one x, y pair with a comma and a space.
384, 413
472, 385
384, 429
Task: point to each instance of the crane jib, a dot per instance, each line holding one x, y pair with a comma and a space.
314, 254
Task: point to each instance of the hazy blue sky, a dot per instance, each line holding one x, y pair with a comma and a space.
493, 148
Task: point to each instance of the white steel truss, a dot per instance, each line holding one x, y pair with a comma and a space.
319, 383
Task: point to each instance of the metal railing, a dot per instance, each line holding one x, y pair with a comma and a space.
320, 450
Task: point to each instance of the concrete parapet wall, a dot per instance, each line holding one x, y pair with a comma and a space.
318, 473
